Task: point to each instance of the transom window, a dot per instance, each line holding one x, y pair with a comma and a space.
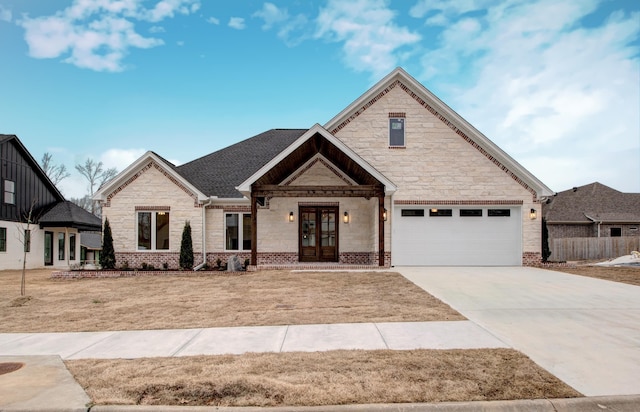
412, 212
471, 212
499, 212
10, 192
440, 212
153, 230
237, 228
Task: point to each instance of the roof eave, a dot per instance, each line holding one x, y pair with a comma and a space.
400, 74
245, 187
133, 168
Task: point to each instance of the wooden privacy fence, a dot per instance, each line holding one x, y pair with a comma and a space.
588, 248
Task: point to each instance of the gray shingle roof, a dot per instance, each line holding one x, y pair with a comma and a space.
218, 173
595, 200
68, 214
91, 240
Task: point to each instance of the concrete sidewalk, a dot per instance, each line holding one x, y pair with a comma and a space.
583, 330
219, 341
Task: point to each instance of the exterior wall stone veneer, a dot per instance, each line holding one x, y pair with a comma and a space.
438, 163
152, 187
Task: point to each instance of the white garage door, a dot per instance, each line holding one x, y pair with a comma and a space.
457, 236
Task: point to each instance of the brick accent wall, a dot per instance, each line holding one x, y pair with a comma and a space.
134, 260
531, 259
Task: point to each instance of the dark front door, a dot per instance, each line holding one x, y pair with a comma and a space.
318, 234
48, 248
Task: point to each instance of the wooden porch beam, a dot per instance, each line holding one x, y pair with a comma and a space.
381, 230
254, 230
367, 191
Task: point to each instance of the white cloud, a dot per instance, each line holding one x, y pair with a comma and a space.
120, 158
271, 15
156, 29
371, 40
5, 14
237, 23
275, 17
554, 94
98, 34
213, 20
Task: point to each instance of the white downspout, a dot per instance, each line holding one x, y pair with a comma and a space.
204, 234
594, 221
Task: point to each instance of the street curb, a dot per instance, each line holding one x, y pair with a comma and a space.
624, 403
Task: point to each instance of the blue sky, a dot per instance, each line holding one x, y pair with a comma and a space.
554, 83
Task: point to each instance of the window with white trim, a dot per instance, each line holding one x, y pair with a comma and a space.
72, 246
61, 246
10, 192
153, 230
237, 228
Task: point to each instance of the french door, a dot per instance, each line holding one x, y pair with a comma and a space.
318, 234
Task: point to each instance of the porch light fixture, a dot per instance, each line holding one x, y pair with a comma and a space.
384, 215
345, 218
290, 216
532, 214
434, 210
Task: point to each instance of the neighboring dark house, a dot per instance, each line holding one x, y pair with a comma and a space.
50, 238
592, 211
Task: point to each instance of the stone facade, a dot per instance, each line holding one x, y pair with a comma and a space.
437, 165
151, 190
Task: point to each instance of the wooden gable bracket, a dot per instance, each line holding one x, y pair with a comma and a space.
365, 191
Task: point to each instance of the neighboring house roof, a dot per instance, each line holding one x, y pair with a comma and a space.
68, 214
34, 164
448, 116
91, 240
593, 202
218, 173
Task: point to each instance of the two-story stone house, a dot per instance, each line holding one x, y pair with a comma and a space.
396, 178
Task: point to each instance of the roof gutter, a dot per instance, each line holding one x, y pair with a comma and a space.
598, 222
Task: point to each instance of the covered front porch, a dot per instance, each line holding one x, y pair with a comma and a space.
317, 205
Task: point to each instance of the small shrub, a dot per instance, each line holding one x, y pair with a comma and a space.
108, 254
165, 266
218, 263
144, 266
186, 248
125, 265
246, 263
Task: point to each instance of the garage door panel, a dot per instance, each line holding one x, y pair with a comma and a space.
457, 240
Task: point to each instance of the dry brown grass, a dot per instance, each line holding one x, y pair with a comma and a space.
323, 378
622, 274
212, 300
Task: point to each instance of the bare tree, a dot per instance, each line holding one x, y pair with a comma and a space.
84, 202
56, 173
25, 238
96, 175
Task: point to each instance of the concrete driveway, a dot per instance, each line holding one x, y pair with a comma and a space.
585, 331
